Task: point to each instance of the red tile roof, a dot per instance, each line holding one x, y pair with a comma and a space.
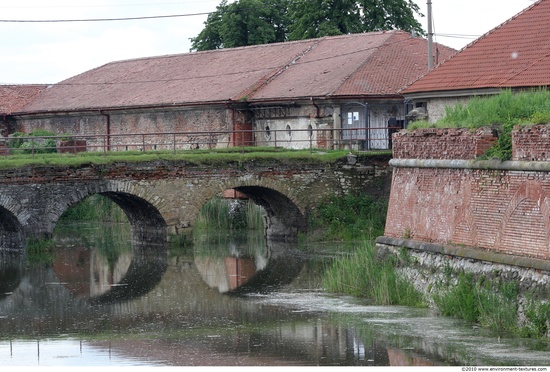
14, 97
516, 54
368, 64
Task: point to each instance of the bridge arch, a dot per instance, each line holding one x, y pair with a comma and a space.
11, 228
284, 211
148, 224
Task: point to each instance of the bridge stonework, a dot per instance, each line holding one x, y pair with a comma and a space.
161, 197
443, 200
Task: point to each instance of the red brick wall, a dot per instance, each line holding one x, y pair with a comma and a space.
507, 211
531, 143
435, 143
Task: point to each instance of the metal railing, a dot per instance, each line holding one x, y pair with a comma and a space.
356, 139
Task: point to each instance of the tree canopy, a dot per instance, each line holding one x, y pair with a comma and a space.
251, 22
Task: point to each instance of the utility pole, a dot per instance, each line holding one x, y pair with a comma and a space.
430, 37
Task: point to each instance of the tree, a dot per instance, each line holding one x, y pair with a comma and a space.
250, 22
243, 22
318, 18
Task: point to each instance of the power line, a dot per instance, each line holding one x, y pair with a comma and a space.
459, 36
99, 6
100, 19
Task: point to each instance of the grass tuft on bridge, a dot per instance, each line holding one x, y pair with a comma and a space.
210, 157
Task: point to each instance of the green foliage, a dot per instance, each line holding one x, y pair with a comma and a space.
243, 22
95, 208
229, 214
318, 18
252, 22
505, 110
350, 217
537, 322
40, 251
180, 245
209, 157
364, 274
21, 143
490, 304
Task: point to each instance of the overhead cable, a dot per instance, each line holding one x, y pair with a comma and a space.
99, 19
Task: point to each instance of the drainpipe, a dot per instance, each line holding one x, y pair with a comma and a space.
317, 112
233, 123
108, 128
5, 121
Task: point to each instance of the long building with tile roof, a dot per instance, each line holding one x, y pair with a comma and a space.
300, 84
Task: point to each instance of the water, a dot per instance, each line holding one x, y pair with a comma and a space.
101, 300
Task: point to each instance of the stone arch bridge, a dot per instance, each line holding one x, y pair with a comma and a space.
161, 197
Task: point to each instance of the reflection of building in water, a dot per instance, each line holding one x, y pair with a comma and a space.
239, 271
103, 277
227, 273
401, 358
72, 268
87, 273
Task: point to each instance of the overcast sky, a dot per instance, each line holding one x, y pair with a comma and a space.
50, 52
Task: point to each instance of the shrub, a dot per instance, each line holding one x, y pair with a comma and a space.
350, 217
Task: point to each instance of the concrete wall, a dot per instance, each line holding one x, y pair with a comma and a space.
436, 107
440, 195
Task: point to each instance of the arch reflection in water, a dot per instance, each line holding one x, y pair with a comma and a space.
110, 266
245, 262
12, 267
11, 232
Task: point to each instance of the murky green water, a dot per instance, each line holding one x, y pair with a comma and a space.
102, 300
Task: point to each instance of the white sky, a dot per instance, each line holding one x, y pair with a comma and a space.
51, 52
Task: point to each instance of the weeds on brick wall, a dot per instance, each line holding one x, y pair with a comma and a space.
350, 217
492, 305
506, 109
364, 274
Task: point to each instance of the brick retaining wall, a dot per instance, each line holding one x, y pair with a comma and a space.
435, 143
505, 209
